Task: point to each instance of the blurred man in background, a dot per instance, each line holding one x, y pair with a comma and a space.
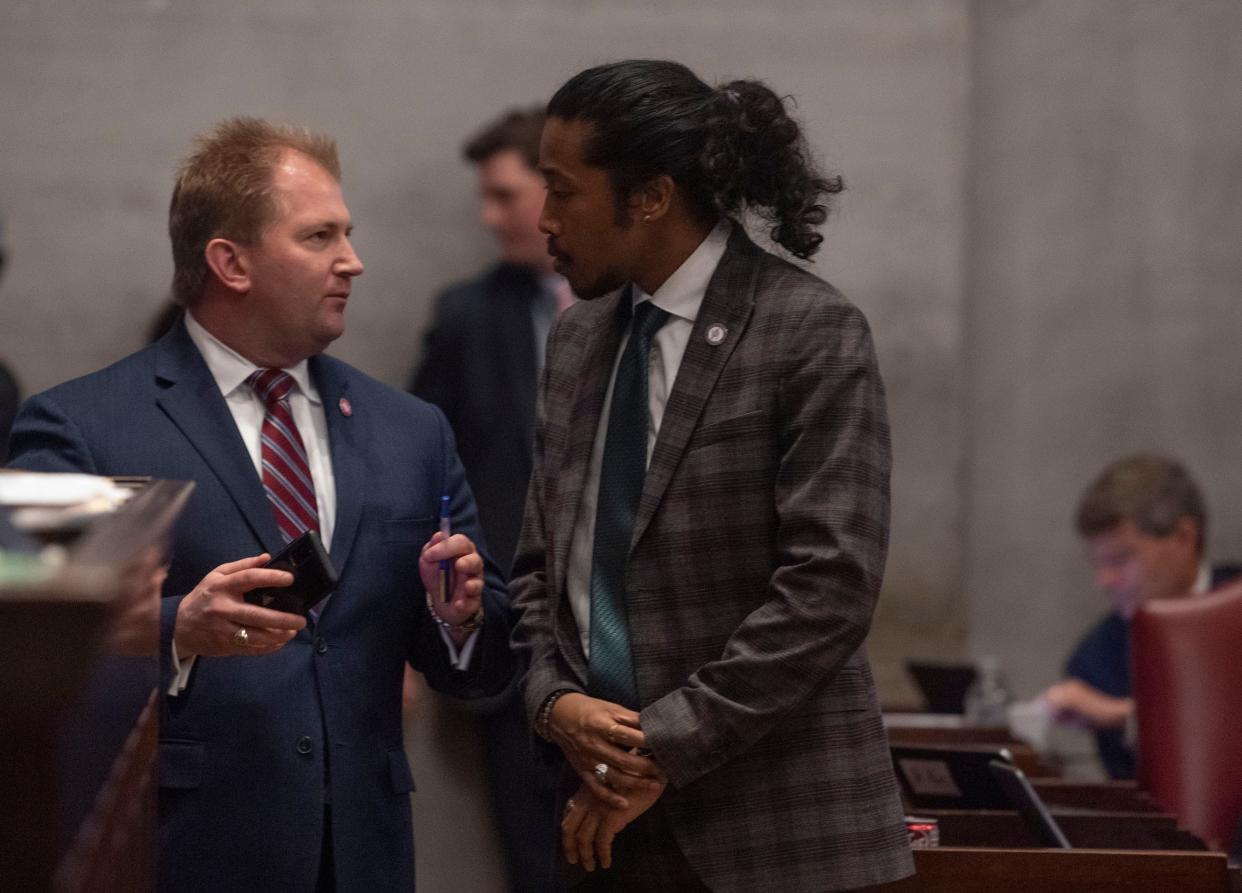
480, 364
1144, 524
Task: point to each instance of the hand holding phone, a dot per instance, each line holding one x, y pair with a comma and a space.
314, 577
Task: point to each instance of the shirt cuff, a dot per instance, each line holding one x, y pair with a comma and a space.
459, 660
181, 672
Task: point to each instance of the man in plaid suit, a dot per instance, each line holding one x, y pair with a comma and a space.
693, 619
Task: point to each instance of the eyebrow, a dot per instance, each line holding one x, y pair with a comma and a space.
328, 223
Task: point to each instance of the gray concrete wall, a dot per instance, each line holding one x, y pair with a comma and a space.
1105, 274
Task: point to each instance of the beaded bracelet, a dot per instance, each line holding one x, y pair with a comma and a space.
544, 717
473, 622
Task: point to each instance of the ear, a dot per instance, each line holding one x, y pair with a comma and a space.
228, 260
1187, 533
654, 198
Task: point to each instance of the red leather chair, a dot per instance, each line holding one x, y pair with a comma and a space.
1186, 657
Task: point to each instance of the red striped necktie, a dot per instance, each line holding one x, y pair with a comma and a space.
286, 472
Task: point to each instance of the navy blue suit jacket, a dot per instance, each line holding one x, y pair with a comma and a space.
253, 748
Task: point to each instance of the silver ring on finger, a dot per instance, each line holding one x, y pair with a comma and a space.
601, 773
241, 638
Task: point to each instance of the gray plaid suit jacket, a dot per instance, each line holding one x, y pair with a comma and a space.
757, 557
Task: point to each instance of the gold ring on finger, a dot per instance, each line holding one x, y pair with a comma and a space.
241, 638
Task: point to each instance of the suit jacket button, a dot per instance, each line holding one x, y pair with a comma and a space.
305, 745
321, 644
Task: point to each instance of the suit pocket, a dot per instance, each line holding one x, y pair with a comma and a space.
399, 776
409, 531
181, 764
748, 424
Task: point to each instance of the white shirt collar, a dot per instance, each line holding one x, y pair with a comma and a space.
682, 293
1203, 582
230, 369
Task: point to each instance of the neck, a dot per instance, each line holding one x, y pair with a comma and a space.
667, 249
242, 335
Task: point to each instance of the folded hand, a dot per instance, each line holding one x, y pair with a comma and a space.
590, 825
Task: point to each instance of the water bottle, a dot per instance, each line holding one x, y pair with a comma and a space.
987, 700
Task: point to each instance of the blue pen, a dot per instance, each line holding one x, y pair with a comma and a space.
446, 587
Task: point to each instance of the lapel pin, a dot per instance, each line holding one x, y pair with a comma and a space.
716, 334
346, 409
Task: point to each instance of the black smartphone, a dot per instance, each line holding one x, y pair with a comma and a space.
314, 577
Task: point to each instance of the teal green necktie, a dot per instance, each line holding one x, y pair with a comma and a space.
611, 671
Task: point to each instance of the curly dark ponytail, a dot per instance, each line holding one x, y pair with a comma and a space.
729, 150
756, 157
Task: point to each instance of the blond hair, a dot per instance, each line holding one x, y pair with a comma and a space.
224, 190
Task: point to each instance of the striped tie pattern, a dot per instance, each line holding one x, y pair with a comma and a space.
286, 472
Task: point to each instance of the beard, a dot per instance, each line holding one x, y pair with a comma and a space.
604, 284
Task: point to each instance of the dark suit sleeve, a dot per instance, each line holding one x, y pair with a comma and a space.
533, 638
832, 509
492, 663
44, 438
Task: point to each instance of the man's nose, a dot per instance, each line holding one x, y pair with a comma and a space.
350, 263
547, 225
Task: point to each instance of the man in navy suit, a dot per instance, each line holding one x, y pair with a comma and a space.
281, 759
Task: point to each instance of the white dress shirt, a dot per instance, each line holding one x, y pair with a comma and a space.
681, 295
230, 371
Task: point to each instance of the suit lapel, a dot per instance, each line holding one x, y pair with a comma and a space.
192, 400
727, 303
603, 326
349, 466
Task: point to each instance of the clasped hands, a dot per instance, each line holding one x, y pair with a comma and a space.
591, 732
209, 617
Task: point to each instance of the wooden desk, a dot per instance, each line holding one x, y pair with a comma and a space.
973, 738
1111, 796
969, 870
1088, 830
946, 736
79, 665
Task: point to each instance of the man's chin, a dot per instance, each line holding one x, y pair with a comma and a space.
329, 330
596, 288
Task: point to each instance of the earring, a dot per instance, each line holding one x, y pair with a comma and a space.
646, 218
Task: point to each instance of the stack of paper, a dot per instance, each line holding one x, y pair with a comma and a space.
39, 502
